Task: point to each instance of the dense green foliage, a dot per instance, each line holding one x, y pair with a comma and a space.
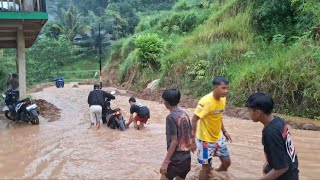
260, 45
56, 52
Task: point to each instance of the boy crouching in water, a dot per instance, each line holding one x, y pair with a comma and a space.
178, 132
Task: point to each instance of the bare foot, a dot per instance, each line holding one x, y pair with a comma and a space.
90, 126
97, 126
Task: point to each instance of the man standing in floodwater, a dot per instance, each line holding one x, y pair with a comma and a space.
177, 162
206, 128
96, 100
280, 153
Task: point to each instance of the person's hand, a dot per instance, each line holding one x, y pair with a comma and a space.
193, 146
228, 137
164, 168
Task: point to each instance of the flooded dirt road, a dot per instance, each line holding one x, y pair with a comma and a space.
66, 149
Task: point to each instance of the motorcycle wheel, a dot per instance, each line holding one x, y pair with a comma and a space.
8, 115
35, 120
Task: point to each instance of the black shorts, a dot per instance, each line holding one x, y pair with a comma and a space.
178, 168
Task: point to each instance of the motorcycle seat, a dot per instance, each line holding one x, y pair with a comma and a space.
24, 100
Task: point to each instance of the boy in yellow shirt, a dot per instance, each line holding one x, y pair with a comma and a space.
206, 134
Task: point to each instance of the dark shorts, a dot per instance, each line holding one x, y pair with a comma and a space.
143, 120
179, 168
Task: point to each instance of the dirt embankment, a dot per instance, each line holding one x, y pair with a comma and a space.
242, 113
48, 110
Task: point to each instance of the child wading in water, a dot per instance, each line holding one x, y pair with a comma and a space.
178, 132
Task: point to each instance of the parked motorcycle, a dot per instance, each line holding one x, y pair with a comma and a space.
24, 110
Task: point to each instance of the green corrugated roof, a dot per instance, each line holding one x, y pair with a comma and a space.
24, 15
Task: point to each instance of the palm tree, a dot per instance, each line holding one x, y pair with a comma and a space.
71, 22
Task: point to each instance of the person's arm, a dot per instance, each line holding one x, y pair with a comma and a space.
172, 129
276, 152
225, 133
109, 96
89, 98
171, 150
131, 116
201, 111
274, 174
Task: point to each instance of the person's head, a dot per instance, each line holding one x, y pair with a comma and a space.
132, 100
259, 105
171, 97
96, 86
14, 75
220, 86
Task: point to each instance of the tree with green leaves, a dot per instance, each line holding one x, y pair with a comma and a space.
149, 48
71, 23
46, 57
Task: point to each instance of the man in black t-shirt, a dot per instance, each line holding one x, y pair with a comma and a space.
142, 114
280, 153
96, 100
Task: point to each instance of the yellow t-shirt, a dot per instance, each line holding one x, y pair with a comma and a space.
210, 112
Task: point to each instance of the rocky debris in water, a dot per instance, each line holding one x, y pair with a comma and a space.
304, 126
153, 85
122, 91
237, 112
48, 110
312, 127
156, 95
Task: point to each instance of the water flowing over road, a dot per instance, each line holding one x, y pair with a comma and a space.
66, 148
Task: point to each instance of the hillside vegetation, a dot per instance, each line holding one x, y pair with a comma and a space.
260, 45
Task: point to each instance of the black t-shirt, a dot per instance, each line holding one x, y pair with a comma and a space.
141, 110
279, 149
97, 97
178, 123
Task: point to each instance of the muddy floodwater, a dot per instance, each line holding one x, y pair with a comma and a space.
66, 149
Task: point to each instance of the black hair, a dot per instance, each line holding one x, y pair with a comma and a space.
132, 99
96, 86
261, 101
14, 75
172, 96
220, 79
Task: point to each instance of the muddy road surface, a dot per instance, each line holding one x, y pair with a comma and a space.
66, 149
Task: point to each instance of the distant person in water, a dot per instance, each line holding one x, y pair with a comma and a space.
177, 162
142, 114
280, 153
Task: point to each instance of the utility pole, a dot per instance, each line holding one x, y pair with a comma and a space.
100, 58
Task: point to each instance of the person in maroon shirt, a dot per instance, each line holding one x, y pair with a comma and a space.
177, 162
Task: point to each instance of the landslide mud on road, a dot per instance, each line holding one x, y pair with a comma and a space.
66, 149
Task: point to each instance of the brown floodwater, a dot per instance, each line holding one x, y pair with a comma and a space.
65, 148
